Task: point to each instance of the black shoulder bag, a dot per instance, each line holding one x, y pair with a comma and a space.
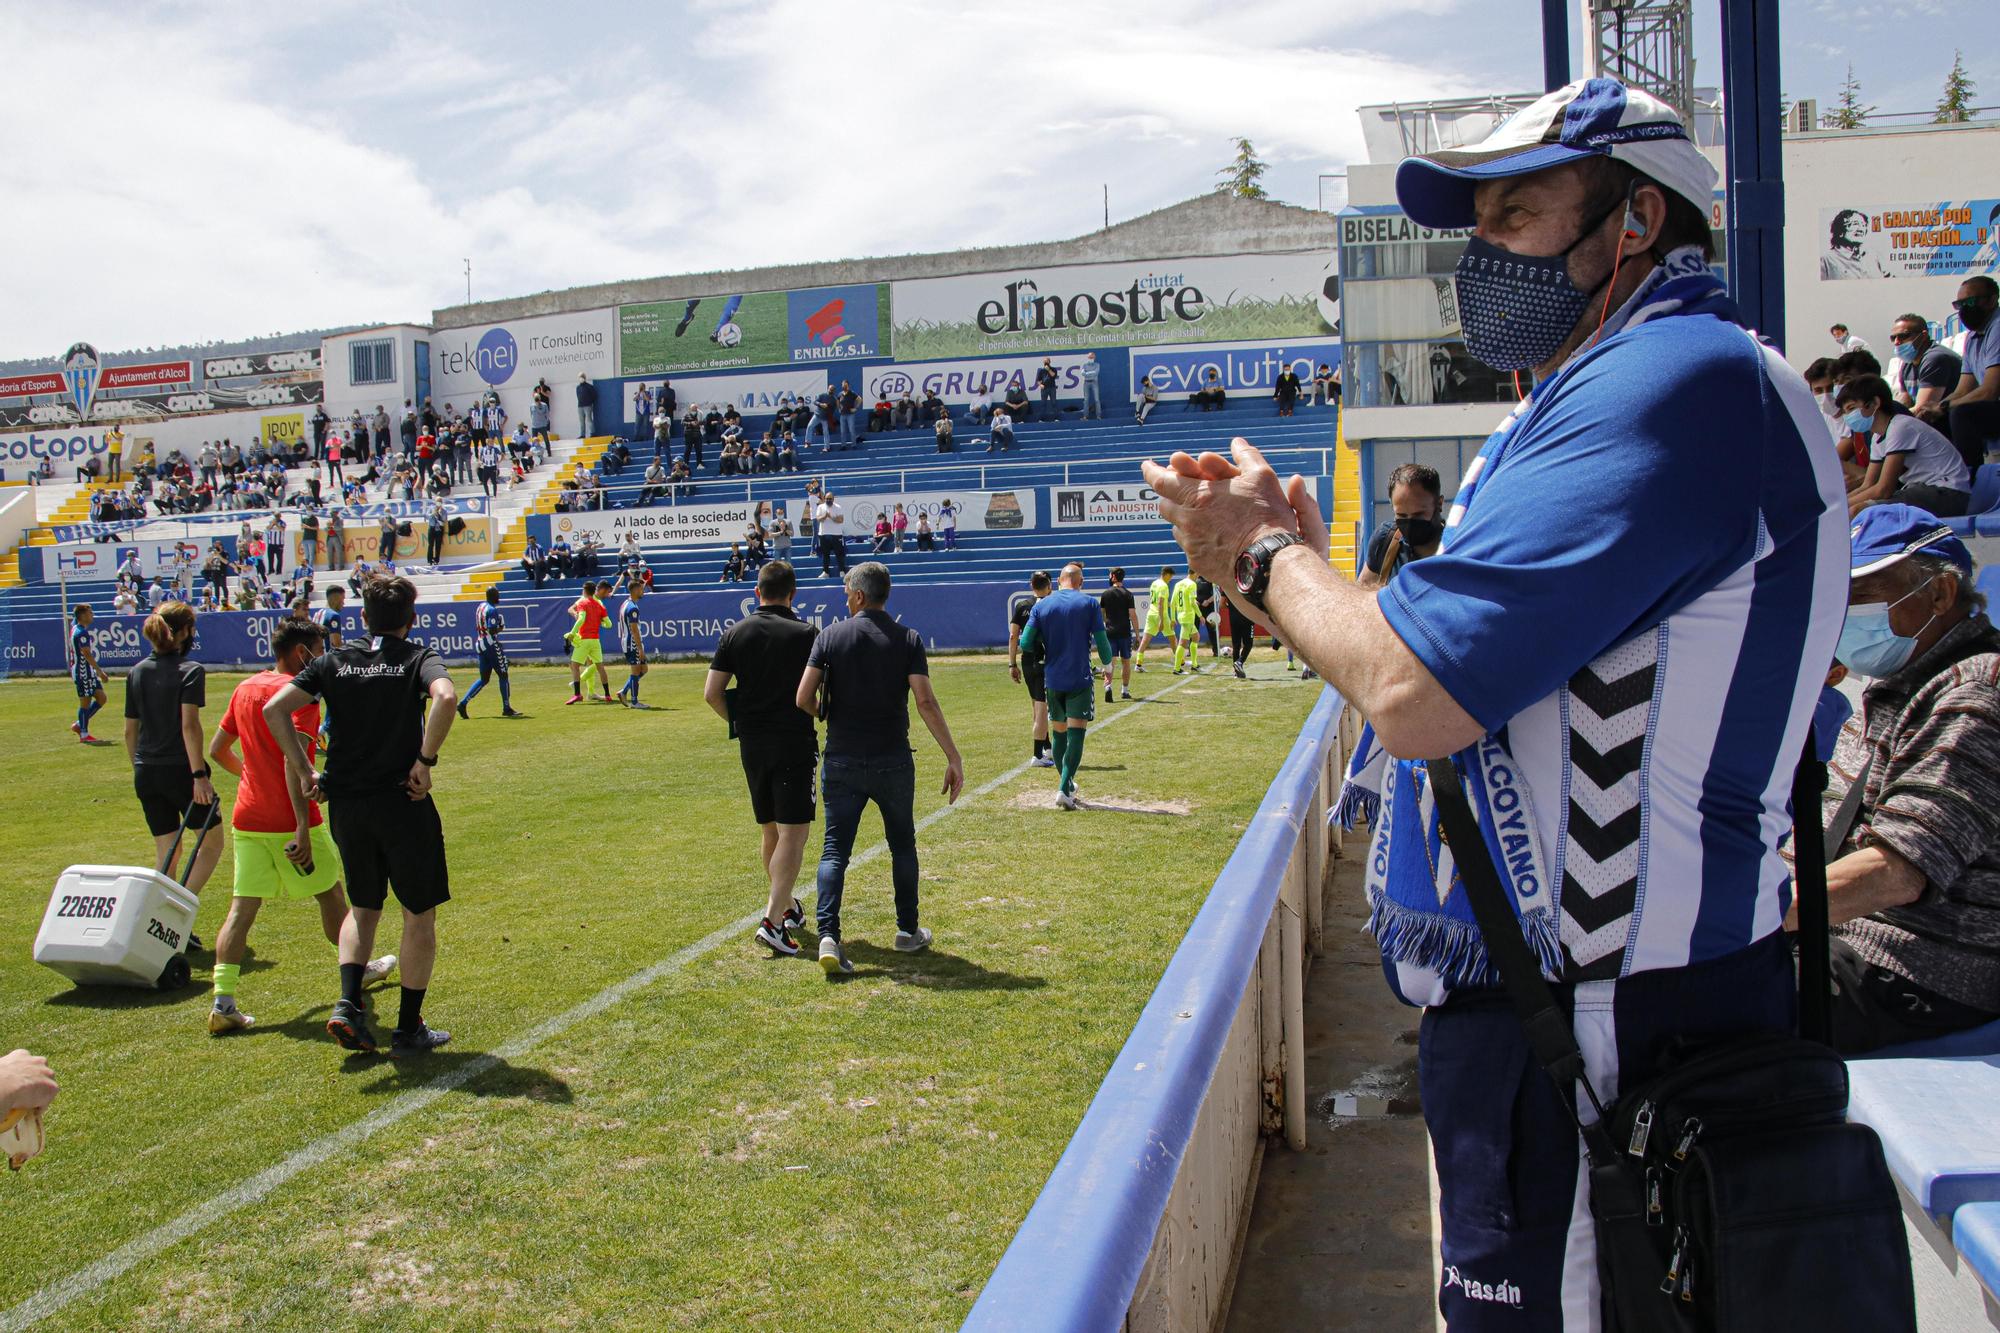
1729, 1192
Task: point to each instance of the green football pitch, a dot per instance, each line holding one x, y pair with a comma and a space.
643, 1120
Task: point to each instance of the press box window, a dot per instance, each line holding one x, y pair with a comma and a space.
372, 362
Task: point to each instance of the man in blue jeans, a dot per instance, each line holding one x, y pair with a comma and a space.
860, 677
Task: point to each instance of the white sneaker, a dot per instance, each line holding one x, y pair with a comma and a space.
833, 958
1065, 801
378, 968
907, 942
1041, 761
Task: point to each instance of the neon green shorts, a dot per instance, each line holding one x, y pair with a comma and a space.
263, 872
587, 652
1187, 629
1154, 624
1073, 705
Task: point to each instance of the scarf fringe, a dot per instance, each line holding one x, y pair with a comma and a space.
1451, 948
1357, 802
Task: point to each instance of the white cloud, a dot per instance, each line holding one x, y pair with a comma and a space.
234, 173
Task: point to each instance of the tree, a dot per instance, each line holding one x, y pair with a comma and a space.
1850, 114
1240, 177
1955, 106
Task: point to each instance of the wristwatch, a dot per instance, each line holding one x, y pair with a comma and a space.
1253, 567
427, 760
200, 772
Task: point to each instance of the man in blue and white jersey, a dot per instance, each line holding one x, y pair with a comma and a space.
330, 618
1623, 659
487, 623
635, 641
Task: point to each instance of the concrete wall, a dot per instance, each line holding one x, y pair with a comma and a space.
1211, 224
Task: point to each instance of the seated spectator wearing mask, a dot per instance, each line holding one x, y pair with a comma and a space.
1925, 371
1913, 464
1970, 414
1418, 500
1915, 885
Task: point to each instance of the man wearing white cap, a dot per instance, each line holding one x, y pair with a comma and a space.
1621, 659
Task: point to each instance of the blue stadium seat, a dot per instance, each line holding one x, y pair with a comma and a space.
1975, 1230
1987, 581
1936, 1120
1985, 489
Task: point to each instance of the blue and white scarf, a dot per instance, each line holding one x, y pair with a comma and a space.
1418, 910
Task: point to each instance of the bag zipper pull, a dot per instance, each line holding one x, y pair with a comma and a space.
1687, 1282
1642, 1129
1690, 1130
1655, 1205
1672, 1281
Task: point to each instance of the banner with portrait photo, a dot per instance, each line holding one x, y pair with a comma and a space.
1947, 239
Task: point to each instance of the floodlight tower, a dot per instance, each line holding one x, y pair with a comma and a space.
1647, 44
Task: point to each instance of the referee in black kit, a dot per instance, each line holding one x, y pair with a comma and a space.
765, 653
383, 745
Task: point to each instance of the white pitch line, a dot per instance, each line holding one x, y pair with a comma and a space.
86, 1280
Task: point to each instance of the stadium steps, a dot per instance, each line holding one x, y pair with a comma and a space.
511, 510
1347, 507
74, 509
10, 569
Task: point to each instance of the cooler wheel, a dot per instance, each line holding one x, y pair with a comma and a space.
176, 975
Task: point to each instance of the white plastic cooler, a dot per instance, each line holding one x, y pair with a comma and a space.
117, 926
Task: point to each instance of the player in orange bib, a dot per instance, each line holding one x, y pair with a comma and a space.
586, 647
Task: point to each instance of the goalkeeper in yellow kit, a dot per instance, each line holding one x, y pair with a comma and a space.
1184, 605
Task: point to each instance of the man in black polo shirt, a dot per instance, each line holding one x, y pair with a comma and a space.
860, 677
766, 653
1026, 665
381, 750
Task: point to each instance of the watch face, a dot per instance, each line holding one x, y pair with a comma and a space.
1246, 572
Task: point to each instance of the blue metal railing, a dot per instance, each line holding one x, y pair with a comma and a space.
1077, 1259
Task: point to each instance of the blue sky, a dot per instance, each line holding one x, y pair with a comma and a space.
187, 172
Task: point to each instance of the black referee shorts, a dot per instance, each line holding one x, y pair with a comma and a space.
390, 842
1033, 677
781, 779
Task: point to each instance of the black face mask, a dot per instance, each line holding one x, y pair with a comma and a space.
1420, 531
1976, 317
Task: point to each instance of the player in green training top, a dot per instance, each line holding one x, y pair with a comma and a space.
1066, 624
1156, 610
1184, 603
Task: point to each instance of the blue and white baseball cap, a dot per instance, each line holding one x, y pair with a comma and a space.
1588, 118
1885, 534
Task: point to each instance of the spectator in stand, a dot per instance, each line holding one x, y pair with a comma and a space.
656, 484
426, 450
1002, 434
489, 468
905, 415
666, 400
732, 460
535, 563
926, 541
435, 519
680, 481
755, 553
274, 543
1322, 385
1286, 393
588, 550
1210, 396
945, 444
767, 456
406, 429
92, 469
1926, 371
899, 523
1093, 405
562, 560
1849, 342
125, 601
1971, 412
821, 426
849, 403
830, 523
1046, 380
981, 409
308, 538
732, 564
336, 539
663, 433
1913, 464
207, 459
933, 407
387, 530
948, 523
781, 536
321, 424
642, 411
586, 407
1015, 404
876, 665
881, 534
335, 453
788, 454
1149, 398
880, 416
617, 458
1416, 497
381, 424
1914, 889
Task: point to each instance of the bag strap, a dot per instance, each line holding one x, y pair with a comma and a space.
1812, 848
1548, 1029
1849, 810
